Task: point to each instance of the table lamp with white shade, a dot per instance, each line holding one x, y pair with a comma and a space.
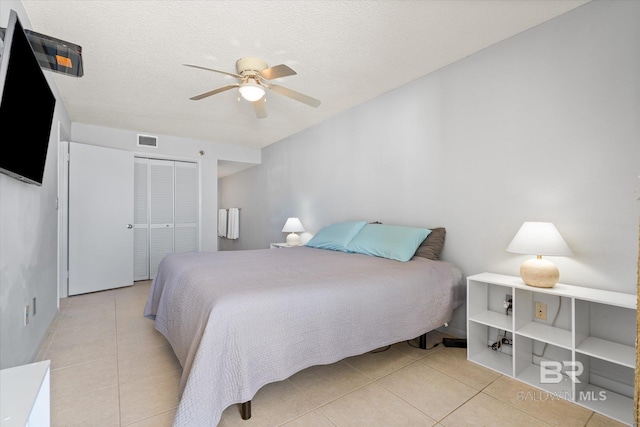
293, 226
539, 238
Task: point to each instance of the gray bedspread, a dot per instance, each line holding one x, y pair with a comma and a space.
238, 320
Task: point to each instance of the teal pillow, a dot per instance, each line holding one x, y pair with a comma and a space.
388, 241
336, 236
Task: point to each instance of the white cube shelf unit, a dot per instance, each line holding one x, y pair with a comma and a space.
586, 344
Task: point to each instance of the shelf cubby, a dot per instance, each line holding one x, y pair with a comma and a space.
605, 387
595, 336
478, 345
485, 306
529, 353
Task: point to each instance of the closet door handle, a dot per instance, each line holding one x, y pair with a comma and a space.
129, 225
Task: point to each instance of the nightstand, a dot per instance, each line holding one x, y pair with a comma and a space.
279, 245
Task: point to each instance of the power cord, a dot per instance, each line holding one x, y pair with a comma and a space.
544, 349
381, 349
411, 343
508, 305
500, 341
502, 338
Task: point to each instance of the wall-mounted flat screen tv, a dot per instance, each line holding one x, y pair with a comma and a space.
26, 108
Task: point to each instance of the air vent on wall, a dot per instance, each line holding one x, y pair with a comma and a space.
147, 141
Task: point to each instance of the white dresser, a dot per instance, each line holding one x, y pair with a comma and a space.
25, 395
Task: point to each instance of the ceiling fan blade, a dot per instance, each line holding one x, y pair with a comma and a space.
213, 92
217, 71
277, 71
260, 108
295, 95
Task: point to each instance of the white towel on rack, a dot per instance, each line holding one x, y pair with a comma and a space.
233, 224
222, 223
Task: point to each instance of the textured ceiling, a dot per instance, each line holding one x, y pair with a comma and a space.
345, 53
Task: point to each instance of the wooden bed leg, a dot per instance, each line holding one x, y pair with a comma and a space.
245, 410
423, 341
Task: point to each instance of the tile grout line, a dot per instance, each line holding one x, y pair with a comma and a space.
526, 412
372, 381
411, 404
120, 383
51, 343
339, 397
478, 392
43, 352
589, 419
115, 308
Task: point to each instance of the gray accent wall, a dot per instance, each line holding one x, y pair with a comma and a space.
541, 127
28, 239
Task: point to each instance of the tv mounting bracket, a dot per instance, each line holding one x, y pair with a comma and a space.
54, 54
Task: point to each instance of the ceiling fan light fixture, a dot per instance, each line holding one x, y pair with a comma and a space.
251, 91
254, 75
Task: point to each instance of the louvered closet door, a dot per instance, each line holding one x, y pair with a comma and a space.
186, 207
161, 215
141, 220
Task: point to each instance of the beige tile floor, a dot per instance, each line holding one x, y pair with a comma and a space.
111, 368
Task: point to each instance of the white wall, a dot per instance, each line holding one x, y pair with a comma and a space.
541, 127
28, 239
177, 148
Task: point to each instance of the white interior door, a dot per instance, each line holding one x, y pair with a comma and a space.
100, 218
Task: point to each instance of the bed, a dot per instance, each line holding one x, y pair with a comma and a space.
238, 320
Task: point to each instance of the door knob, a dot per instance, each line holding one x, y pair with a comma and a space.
129, 225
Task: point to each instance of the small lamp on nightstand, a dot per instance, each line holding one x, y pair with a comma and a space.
539, 238
293, 226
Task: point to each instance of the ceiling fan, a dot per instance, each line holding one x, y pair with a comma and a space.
254, 75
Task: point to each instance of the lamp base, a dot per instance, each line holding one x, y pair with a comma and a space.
540, 273
293, 239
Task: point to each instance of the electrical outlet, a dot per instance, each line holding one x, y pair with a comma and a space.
26, 315
541, 310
